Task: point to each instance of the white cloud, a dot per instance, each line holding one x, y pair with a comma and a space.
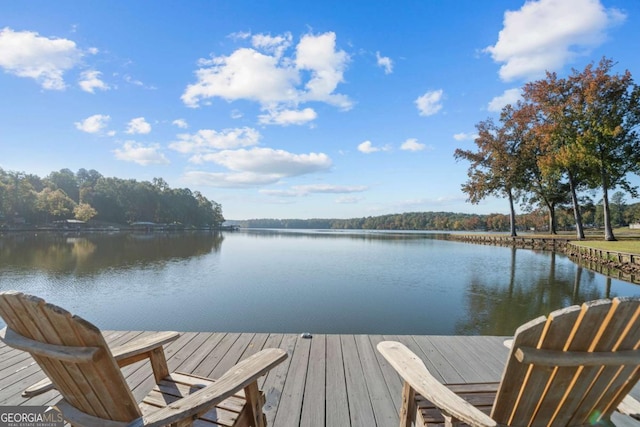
318, 54
138, 126
93, 124
328, 188
275, 45
239, 35
367, 147
288, 117
90, 81
209, 140
256, 167
412, 144
265, 74
245, 74
510, 96
267, 161
27, 54
229, 180
430, 103
464, 136
304, 190
181, 123
144, 155
385, 62
546, 34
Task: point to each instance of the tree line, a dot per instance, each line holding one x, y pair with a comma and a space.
567, 136
87, 195
622, 214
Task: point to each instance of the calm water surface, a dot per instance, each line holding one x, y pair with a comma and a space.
284, 281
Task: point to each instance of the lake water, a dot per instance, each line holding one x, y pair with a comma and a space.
297, 281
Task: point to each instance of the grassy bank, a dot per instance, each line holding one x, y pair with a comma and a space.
628, 240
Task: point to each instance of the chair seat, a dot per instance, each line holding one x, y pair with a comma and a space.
480, 395
230, 412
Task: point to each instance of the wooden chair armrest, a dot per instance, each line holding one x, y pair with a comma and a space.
126, 354
415, 373
61, 352
238, 377
139, 348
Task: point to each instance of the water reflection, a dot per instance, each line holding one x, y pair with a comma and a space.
495, 309
377, 235
291, 282
87, 254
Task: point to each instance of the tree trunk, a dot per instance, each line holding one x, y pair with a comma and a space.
608, 230
553, 227
512, 216
576, 208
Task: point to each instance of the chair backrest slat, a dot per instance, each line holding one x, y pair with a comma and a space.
575, 395
540, 380
566, 383
612, 383
509, 393
97, 388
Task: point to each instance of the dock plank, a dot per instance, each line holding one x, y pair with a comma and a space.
360, 409
379, 396
275, 382
313, 405
290, 406
271, 383
337, 407
328, 380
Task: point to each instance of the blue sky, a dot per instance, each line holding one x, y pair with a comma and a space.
286, 109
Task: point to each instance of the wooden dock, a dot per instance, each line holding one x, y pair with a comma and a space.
328, 380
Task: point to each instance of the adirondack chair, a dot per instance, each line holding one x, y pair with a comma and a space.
572, 368
75, 357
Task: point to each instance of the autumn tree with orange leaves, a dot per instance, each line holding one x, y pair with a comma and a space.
566, 136
495, 167
589, 126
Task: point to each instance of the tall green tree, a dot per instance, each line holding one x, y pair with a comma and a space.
556, 135
55, 204
546, 190
618, 209
18, 196
87, 180
608, 111
495, 169
66, 181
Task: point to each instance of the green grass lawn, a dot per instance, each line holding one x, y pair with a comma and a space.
628, 240
627, 246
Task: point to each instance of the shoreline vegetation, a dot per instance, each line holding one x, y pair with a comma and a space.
87, 201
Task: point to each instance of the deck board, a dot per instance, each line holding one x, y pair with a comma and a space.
328, 380
337, 406
313, 404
